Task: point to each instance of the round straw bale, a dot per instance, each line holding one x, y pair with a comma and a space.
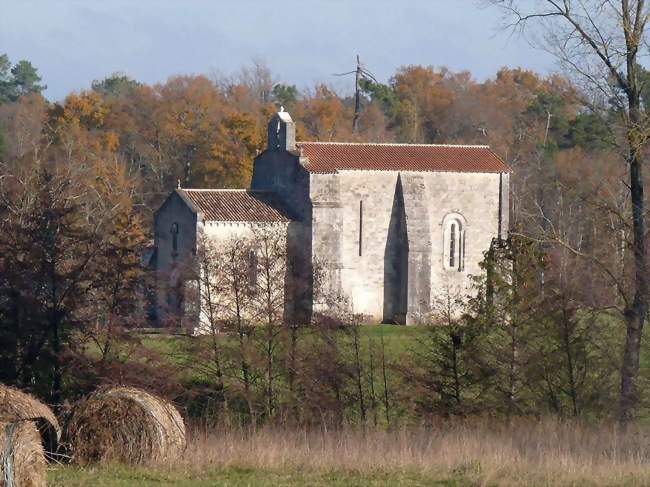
124, 424
16, 405
22, 459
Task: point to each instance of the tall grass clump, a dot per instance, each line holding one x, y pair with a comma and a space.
515, 452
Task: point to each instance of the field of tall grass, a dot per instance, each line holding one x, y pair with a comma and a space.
476, 452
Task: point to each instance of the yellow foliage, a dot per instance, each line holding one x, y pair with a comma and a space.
86, 108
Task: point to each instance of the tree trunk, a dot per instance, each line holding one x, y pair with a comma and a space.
634, 313
359, 372
57, 374
371, 380
567, 327
385, 378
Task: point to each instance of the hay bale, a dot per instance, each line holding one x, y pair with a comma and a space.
22, 458
16, 405
124, 424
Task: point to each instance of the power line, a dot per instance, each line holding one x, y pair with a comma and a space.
359, 73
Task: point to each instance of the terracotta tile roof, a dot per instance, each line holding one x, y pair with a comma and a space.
329, 157
236, 205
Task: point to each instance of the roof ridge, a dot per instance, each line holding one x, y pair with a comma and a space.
398, 144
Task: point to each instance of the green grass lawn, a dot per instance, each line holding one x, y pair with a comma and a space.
117, 476
397, 339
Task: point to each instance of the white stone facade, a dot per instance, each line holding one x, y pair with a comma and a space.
366, 205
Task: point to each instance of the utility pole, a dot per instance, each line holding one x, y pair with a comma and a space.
359, 73
357, 98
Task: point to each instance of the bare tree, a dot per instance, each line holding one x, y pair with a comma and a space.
226, 306
267, 280
601, 42
354, 324
210, 295
384, 376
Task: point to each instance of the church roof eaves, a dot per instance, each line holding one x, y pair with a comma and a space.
236, 205
331, 157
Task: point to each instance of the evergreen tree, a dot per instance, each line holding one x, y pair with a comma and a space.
115, 85
20, 80
26, 79
444, 376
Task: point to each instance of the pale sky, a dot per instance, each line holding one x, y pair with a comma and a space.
73, 42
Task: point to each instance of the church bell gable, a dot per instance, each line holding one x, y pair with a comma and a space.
282, 132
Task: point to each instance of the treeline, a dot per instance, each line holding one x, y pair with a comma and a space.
80, 179
205, 132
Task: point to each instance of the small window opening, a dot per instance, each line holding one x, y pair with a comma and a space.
360, 228
174, 232
251, 274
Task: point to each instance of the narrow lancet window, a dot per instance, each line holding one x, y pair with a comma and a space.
360, 228
252, 273
174, 232
454, 242
452, 246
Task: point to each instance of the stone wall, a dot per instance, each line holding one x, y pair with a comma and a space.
172, 264
283, 173
476, 197
428, 198
326, 224
220, 235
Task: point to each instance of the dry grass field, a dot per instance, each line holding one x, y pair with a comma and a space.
472, 453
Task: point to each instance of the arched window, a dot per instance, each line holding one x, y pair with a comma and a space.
174, 232
454, 242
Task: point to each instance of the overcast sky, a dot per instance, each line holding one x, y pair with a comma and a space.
73, 42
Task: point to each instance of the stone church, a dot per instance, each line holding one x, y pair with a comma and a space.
394, 225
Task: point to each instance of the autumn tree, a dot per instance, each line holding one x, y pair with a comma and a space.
45, 270
118, 300
71, 246
322, 116
23, 122
48, 268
